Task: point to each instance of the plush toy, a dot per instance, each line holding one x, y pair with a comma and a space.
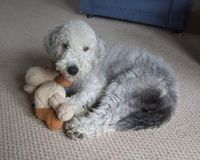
48, 90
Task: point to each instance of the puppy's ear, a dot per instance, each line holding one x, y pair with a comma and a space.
101, 45
52, 43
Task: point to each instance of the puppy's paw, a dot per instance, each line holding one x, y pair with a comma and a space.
73, 134
65, 112
74, 129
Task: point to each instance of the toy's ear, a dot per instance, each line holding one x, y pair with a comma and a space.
52, 43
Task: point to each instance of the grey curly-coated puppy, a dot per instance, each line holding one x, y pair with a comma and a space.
115, 88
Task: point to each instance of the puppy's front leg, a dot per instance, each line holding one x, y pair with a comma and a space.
87, 96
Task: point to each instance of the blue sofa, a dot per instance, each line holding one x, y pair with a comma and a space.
170, 14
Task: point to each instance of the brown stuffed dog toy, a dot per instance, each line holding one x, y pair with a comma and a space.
48, 90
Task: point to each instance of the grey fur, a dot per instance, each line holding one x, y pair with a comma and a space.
133, 90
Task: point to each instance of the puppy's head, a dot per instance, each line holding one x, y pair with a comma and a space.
73, 47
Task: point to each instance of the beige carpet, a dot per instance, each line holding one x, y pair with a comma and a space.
23, 23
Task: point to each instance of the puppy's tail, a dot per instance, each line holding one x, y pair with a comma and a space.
151, 109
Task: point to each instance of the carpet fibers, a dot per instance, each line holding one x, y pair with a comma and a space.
23, 25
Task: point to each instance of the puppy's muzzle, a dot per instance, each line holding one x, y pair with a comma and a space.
73, 70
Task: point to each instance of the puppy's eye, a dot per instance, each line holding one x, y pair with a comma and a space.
65, 45
85, 48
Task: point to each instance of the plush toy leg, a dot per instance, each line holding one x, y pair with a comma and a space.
49, 116
42, 108
64, 111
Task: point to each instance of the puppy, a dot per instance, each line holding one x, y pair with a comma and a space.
114, 88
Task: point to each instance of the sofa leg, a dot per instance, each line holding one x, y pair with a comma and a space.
89, 15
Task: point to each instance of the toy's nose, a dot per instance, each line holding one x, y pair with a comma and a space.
72, 70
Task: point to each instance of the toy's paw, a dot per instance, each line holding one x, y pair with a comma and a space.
56, 100
29, 88
65, 112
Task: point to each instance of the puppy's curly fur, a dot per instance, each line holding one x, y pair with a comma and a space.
116, 88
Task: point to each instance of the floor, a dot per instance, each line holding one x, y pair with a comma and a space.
23, 25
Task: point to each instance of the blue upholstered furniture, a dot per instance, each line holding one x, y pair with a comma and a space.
170, 14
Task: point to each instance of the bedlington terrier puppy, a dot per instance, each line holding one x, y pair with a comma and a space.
114, 88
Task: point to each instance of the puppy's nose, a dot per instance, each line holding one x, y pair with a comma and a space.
73, 70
